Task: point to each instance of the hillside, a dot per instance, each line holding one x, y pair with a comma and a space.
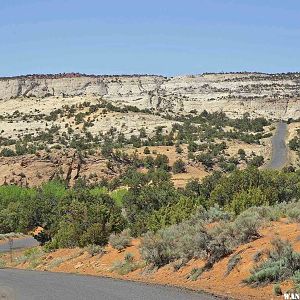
215, 281
55, 125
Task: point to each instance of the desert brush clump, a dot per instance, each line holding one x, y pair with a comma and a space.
192, 239
282, 263
121, 240
127, 265
32, 256
195, 274
94, 250
2, 263
292, 211
277, 290
233, 261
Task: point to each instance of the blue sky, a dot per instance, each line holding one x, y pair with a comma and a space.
149, 37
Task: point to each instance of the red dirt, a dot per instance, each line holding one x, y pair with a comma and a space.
213, 281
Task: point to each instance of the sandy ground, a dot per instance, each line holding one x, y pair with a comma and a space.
213, 281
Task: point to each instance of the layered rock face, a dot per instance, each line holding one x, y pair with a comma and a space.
269, 95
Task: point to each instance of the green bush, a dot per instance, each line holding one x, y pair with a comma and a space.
246, 199
256, 161
6, 152
178, 166
146, 150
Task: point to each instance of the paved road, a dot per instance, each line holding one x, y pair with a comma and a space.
279, 148
34, 285
19, 244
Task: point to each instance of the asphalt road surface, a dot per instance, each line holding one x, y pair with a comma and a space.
279, 148
18, 244
35, 285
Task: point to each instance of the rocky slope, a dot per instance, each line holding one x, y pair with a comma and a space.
269, 95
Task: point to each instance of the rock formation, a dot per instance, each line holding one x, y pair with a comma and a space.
269, 95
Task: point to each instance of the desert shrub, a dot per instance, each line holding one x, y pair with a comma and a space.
55, 263
33, 256
247, 225
292, 211
50, 246
221, 243
127, 265
183, 241
258, 255
191, 239
213, 214
178, 149
4, 236
94, 250
296, 280
178, 166
282, 263
147, 150
195, 273
2, 263
6, 152
233, 261
155, 250
242, 153
121, 240
256, 161
266, 213
277, 290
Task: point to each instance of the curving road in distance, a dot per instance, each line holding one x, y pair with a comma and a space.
279, 147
